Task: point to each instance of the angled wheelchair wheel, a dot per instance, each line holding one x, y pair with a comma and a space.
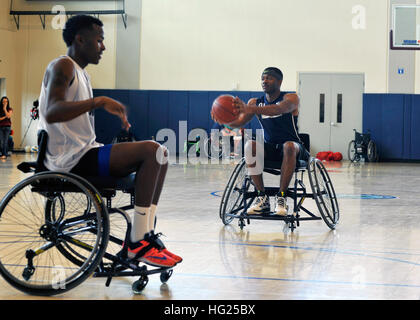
372, 154
324, 193
233, 201
54, 230
352, 152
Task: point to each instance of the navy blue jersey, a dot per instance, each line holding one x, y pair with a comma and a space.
278, 129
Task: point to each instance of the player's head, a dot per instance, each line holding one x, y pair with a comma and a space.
271, 79
85, 34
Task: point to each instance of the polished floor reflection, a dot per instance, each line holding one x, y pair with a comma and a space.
374, 253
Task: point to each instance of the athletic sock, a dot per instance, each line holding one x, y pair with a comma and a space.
140, 223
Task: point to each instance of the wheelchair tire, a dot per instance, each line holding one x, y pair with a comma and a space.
38, 216
372, 154
324, 193
352, 152
232, 203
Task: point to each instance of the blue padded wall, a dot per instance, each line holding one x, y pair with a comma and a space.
392, 120
414, 123
152, 110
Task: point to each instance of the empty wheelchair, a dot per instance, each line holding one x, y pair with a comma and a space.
362, 147
57, 229
240, 193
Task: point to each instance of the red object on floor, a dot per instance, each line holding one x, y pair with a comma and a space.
329, 156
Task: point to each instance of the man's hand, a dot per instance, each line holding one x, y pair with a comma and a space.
114, 107
242, 107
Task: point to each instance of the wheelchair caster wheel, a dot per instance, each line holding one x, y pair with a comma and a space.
28, 272
164, 276
139, 285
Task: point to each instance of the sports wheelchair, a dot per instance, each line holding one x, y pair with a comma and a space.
362, 147
240, 193
57, 229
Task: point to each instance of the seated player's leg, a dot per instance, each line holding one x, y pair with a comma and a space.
152, 236
291, 152
142, 157
254, 158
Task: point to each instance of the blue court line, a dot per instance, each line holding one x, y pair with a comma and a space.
214, 193
356, 284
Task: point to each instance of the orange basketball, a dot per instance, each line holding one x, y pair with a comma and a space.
223, 110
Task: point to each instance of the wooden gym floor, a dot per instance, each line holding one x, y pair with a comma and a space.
373, 254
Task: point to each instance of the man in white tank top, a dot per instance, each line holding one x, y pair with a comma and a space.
67, 113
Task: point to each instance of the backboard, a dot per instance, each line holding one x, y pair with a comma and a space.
405, 27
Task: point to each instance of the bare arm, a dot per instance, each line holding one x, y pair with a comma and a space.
243, 118
57, 81
289, 104
7, 114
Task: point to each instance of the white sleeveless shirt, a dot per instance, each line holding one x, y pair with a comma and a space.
69, 141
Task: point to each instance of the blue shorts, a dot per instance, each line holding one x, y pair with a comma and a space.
94, 163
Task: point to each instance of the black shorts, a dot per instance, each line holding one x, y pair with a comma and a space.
274, 152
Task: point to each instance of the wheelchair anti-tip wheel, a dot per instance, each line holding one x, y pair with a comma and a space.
323, 192
233, 201
54, 230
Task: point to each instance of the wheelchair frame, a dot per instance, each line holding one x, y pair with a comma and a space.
57, 232
298, 193
362, 147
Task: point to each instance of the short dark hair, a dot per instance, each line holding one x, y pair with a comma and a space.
275, 72
77, 23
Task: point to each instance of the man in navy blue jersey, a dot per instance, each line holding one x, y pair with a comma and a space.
277, 113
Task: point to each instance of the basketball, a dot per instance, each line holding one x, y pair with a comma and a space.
223, 110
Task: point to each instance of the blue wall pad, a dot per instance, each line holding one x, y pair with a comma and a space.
151, 110
392, 121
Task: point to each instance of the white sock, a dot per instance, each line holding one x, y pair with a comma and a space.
140, 223
152, 216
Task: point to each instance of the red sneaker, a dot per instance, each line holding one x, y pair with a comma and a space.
143, 251
177, 259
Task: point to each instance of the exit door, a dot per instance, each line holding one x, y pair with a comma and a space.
331, 106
